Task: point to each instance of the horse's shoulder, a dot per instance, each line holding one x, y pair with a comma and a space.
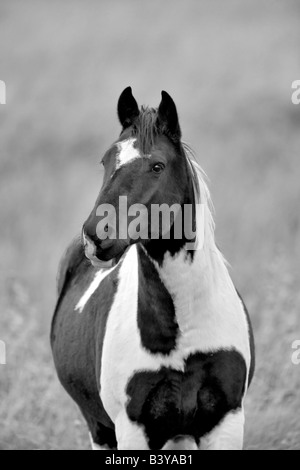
70, 261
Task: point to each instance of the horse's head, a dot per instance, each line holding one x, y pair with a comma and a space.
146, 166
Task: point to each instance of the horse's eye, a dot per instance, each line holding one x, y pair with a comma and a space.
158, 168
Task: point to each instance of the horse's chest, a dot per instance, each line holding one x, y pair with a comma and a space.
125, 353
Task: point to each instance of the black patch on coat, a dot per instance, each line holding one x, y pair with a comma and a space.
157, 249
168, 403
156, 312
73, 258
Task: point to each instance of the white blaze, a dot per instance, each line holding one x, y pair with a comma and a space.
127, 152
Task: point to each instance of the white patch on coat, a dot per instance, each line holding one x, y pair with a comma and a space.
227, 435
208, 309
99, 276
127, 152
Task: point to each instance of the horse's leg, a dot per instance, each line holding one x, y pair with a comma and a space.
228, 435
101, 437
181, 443
130, 436
97, 446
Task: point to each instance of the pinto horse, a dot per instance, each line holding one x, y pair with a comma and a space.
150, 337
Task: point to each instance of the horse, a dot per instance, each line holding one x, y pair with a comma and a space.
150, 337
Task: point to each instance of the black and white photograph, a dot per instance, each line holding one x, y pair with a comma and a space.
149, 227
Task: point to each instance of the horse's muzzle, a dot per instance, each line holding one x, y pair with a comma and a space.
93, 250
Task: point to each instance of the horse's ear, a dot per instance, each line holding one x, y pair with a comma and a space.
128, 109
168, 118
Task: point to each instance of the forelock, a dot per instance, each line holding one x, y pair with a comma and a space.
145, 129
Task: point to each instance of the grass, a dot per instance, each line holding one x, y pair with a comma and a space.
229, 69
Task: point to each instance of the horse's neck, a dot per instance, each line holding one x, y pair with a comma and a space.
196, 283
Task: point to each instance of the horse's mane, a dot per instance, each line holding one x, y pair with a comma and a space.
201, 194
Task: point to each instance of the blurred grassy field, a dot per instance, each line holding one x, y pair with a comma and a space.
229, 66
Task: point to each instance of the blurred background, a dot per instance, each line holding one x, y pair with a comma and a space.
229, 67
